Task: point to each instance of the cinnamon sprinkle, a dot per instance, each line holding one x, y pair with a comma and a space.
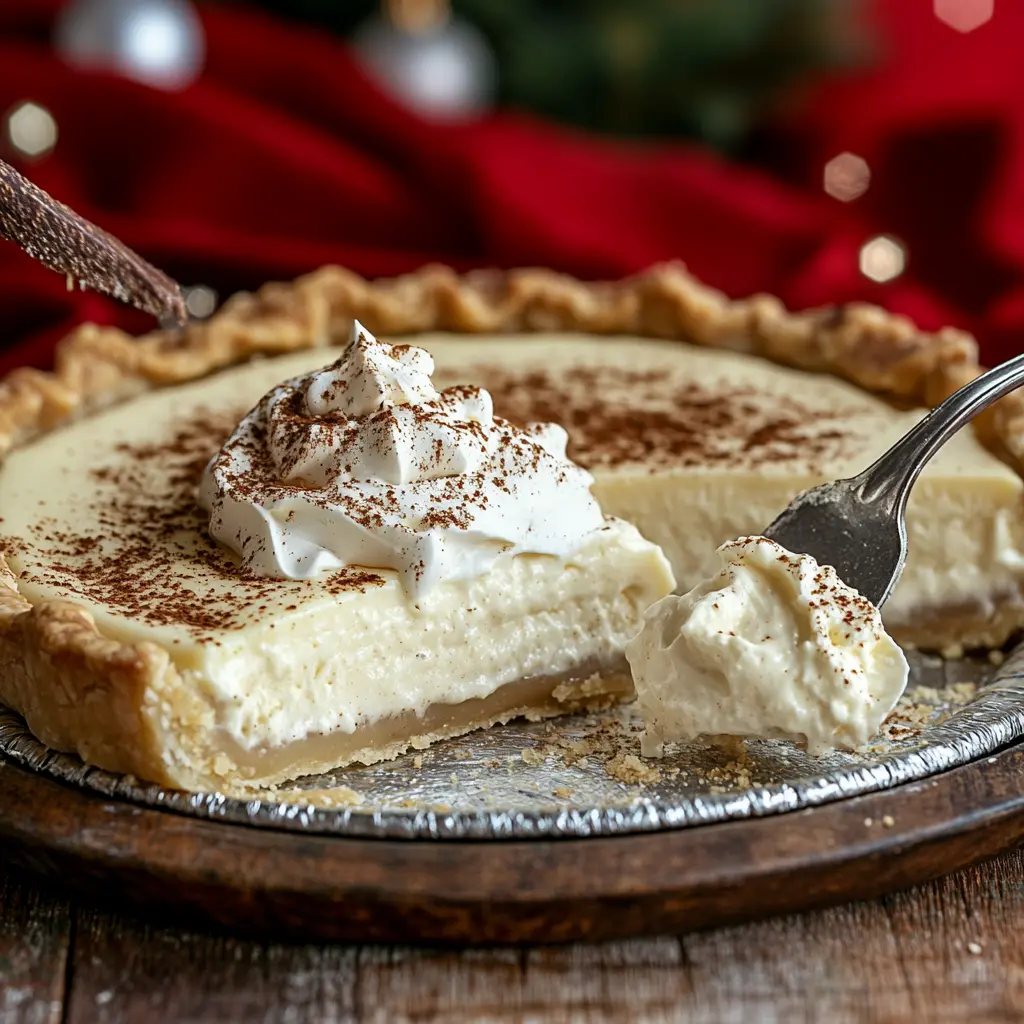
653, 418
613, 417
147, 500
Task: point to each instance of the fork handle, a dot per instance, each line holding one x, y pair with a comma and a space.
897, 470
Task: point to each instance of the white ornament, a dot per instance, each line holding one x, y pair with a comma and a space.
446, 71
158, 42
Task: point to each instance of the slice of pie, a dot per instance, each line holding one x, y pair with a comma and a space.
129, 635
397, 565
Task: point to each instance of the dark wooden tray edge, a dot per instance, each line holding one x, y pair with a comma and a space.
287, 886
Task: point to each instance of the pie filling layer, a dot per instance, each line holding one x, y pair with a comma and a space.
539, 697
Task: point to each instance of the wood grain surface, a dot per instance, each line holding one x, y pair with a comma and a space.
35, 935
949, 951
290, 884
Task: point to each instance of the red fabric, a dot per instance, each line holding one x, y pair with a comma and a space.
283, 157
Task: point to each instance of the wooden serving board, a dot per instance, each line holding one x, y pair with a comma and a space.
255, 880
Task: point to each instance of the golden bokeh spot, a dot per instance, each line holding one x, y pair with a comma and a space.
964, 15
200, 301
847, 177
883, 259
31, 129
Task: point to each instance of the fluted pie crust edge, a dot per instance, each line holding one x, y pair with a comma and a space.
123, 706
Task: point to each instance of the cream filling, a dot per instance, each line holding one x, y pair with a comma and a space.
964, 529
336, 666
535, 698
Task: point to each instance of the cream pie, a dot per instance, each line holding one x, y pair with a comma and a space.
379, 565
131, 635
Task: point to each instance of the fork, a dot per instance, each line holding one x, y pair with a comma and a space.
859, 525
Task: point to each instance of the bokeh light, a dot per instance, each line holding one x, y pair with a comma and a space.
847, 177
31, 129
158, 42
964, 15
200, 301
883, 259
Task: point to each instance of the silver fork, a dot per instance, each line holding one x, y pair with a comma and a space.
858, 525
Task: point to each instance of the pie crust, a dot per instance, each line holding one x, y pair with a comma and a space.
98, 366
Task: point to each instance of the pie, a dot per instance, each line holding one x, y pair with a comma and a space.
129, 636
455, 572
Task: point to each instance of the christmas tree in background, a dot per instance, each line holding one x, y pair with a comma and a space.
706, 69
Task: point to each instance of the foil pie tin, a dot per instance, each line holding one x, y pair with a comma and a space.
581, 776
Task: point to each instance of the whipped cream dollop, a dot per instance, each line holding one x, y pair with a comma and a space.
364, 463
773, 645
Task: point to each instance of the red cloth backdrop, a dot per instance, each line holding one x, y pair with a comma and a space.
284, 157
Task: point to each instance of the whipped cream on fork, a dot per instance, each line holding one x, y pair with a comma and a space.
773, 645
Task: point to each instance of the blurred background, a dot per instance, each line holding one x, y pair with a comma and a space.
824, 150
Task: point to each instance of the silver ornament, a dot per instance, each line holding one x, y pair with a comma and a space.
445, 71
158, 42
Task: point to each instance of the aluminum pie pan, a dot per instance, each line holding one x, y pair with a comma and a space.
579, 776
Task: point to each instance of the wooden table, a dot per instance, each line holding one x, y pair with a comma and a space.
952, 950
